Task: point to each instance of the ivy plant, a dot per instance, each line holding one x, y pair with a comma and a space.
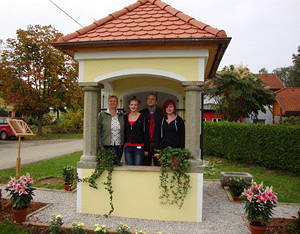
105, 160
174, 178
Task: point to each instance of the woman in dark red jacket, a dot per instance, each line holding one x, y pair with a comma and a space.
135, 135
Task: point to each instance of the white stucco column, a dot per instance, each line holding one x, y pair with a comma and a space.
192, 91
92, 91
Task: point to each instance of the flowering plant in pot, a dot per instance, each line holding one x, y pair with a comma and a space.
260, 203
69, 176
20, 192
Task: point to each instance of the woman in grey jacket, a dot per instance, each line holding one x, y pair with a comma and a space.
111, 128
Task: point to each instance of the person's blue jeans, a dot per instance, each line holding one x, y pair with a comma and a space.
134, 155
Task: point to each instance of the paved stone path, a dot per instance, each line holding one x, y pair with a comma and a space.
32, 151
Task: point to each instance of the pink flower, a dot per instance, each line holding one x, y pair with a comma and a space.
248, 194
22, 191
24, 181
262, 197
273, 198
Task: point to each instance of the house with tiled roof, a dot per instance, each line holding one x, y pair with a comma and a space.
146, 47
272, 81
287, 102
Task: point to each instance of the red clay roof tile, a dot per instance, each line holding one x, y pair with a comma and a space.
289, 99
144, 19
272, 81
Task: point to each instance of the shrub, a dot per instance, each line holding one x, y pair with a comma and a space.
75, 119
237, 186
294, 224
293, 120
272, 146
3, 112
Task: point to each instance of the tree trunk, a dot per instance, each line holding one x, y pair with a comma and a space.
57, 114
40, 124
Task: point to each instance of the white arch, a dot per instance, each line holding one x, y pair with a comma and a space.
139, 72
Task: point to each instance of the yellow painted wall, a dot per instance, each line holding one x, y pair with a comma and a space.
136, 195
122, 85
187, 67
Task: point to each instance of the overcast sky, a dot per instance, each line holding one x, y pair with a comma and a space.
265, 33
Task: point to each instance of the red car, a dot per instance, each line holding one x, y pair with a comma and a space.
5, 130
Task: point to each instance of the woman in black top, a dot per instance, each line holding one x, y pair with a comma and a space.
136, 135
172, 130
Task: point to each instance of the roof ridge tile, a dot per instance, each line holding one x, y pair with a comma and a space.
184, 17
143, 1
198, 24
171, 10
133, 6
87, 28
162, 5
68, 36
116, 14
103, 20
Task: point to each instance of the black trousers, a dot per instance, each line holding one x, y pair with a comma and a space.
118, 149
147, 161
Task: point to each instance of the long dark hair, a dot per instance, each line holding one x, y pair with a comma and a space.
166, 104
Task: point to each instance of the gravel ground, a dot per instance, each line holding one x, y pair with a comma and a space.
219, 214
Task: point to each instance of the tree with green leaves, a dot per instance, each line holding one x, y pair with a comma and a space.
238, 93
284, 74
290, 76
34, 76
263, 71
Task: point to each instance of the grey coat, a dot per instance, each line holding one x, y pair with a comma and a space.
104, 122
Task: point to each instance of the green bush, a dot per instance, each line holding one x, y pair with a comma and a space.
293, 120
272, 146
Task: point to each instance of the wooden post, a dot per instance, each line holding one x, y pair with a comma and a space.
18, 163
20, 129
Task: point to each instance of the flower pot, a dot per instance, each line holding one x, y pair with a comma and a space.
237, 198
175, 161
20, 215
68, 187
257, 229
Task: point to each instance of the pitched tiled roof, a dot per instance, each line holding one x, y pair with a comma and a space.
145, 19
289, 100
272, 81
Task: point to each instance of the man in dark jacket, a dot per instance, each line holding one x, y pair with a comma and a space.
153, 116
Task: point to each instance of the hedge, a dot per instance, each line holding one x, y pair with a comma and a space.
272, 146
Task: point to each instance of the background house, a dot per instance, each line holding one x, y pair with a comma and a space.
275, 84
287, 103
271, 81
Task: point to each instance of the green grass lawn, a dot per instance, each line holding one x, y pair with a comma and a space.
285, 184
57, 136
44, 172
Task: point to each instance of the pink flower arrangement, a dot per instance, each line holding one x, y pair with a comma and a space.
260, 203
20, 191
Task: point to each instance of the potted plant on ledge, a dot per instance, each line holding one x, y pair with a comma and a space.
69, 176
236, 187
21, 194
175, 161
260, 203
